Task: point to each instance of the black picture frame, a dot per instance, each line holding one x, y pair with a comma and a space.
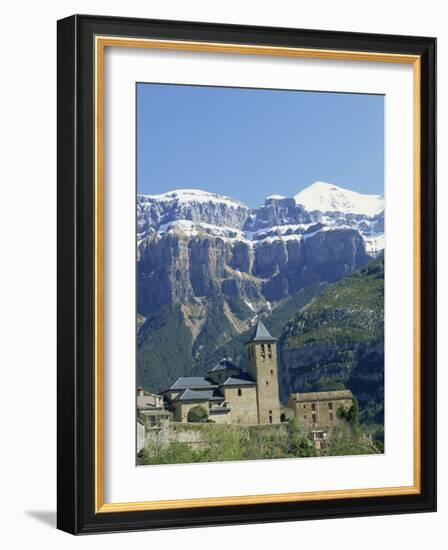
76, 255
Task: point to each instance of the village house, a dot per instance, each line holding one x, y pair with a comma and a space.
317, 409
150, 409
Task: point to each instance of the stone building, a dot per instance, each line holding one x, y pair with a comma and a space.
150, 409
262, 366
315, 409
228, 394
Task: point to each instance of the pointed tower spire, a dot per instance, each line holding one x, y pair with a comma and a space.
260, 334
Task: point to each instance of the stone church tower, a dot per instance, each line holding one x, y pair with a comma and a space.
262, 366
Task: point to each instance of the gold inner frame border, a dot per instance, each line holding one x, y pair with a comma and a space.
100, 44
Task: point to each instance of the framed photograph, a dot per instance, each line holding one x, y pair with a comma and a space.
246, 274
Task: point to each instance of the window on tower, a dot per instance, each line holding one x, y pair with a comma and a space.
269, 351
263, 352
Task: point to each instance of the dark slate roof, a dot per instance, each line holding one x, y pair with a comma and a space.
192, 382
191, 395
242, 379
213, 395
200, 395
223, 365
260, 334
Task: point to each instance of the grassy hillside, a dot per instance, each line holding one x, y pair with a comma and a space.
351, 310
337, 341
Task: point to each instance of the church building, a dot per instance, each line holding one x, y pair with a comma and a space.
227, 393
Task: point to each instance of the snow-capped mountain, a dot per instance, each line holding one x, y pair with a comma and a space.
336, 207
320, 207
194, 205
327, 197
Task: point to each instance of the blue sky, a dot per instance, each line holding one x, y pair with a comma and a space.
252, 143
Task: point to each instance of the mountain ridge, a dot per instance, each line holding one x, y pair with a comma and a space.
208, 267
325, 207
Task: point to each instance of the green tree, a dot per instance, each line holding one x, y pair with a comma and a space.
354, 419
351, 415
298, 444
197, 414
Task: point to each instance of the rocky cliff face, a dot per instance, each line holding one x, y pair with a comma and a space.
177, 268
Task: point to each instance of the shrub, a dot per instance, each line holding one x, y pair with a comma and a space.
343, 443
351, 415
197, 414
298, 444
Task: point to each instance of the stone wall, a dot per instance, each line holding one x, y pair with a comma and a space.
141, 436
199, 435
243, 405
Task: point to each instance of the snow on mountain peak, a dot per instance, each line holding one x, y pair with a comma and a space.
327, 197
194, 212
185, 196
